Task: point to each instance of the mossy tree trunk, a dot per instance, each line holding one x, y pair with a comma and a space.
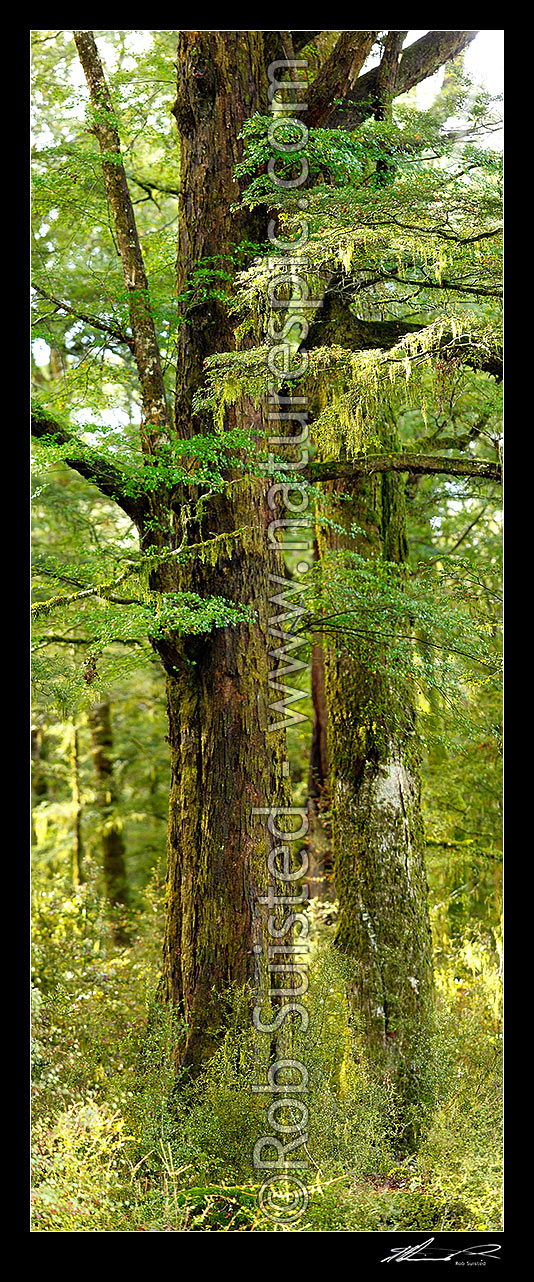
377, 829
376, 819
224, 761
320, 877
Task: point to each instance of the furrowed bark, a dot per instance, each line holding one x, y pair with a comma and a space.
385, 91
386, 78
224, 762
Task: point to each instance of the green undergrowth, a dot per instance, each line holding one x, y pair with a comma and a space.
121, 1143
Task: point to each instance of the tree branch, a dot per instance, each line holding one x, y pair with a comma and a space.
114, 331
339, 75
303, 38
100, 590
52, 639
418, 61
387, 72
414, 464
149, 186
100, 471
480, 291
335, 323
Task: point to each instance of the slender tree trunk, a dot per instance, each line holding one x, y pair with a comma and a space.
39, 755
376, 819
77, 847
113, 852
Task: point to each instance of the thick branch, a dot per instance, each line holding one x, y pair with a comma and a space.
303, 38
100, 471
418, 61
334, 323
146, 347
147, 185
387, 72
53, 639
339, 75
454, 286
273, 44
414, 464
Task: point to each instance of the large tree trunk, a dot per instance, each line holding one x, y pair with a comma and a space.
376, 820
224, 762
216, 857
113, 851
375, 778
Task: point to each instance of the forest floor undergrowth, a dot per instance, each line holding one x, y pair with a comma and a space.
120, 1146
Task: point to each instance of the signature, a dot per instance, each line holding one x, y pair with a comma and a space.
421, 1252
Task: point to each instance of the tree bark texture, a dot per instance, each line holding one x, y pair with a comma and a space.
376, 821
224, 761
320, 878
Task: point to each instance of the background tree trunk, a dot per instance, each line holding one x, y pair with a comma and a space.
113, 852
39, 755
77, 847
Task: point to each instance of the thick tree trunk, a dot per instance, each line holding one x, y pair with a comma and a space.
376, 820
113, 852
374, 770
224, 761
